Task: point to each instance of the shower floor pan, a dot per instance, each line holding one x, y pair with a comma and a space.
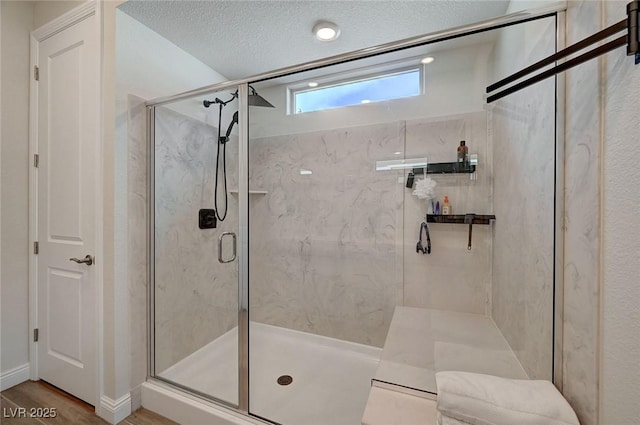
330, 378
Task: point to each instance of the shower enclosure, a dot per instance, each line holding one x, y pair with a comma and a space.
285, 279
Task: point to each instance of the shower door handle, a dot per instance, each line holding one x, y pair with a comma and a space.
220, 259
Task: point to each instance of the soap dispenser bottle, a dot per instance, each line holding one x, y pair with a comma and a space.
446, 207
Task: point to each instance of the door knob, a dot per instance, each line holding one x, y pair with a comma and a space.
88, 260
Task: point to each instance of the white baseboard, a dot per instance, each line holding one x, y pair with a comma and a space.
114, 411
136, 398
14, 377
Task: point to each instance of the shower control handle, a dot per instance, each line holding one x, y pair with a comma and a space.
220, 259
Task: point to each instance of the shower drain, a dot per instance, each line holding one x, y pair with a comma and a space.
285, 380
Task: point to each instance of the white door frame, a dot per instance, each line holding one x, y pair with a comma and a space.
59, 24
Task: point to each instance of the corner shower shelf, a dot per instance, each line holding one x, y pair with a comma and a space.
251, 192
459, 219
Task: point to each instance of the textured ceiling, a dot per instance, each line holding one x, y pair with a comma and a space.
243, 38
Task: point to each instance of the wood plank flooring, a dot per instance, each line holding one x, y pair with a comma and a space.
69, 410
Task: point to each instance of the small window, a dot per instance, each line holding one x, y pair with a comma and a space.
376, 88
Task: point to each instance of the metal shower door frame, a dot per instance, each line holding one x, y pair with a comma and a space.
242, 254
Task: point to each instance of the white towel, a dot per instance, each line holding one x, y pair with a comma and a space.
446, 420
478, 399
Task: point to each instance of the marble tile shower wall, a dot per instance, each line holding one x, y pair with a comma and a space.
582, 224
137, 259
329, 249
332, 252
523, 138
323, 248
451, 278
195, 295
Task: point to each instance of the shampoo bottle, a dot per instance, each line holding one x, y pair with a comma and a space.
446, 208
463, 153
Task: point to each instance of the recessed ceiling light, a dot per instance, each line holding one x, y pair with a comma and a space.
313, 84
326, 31
305, 172
427, 60
365, 101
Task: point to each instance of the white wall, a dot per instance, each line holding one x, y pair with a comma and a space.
150, 66
620, 354
47, 10
17, 22
455, 84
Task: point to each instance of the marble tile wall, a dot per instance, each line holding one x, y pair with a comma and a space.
326, 249
195, 295
137, 222
451, 277
582, 230
323, 248
333, 252
523, 126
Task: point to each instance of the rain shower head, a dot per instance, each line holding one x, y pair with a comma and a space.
254, 100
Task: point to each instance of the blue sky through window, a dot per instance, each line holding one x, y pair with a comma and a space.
354, 92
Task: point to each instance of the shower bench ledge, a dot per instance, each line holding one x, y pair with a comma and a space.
421, 342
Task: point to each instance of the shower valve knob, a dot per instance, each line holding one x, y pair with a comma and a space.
207, 218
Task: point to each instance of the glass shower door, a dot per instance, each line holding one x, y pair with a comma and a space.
349, 285
325, 253
194, 260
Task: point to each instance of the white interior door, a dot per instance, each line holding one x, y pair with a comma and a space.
66, 143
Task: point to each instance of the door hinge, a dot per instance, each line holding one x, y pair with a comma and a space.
35, 335
36, 73
36, 247
36, 160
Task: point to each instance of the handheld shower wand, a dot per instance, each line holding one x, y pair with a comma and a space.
234, 120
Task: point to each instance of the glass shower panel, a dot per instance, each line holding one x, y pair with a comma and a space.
526, 191
195, 284
357, 275
325, 242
